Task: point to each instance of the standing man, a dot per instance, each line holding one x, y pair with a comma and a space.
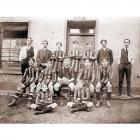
57, 58
75, 55
25, 54
43, 56
104, 52
126, 59
90, 54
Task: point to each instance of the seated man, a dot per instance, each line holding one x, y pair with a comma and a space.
44, 103
29, 79
65, 78
81, 100
86, 78
104, 77
48, 77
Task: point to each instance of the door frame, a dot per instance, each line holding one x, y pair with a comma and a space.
68, 30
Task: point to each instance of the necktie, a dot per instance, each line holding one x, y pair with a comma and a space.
127, 50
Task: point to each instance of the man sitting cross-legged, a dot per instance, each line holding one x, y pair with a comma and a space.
44, 102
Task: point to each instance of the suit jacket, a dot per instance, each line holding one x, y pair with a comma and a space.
105, 53
43, 56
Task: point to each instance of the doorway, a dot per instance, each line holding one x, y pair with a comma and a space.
82, 31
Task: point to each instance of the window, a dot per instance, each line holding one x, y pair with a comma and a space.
11, 48
13, 36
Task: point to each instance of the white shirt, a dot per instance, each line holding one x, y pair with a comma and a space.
23, 52
130, 55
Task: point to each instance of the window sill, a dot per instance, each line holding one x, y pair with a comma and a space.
10, 72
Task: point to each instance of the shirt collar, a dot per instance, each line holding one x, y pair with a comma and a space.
28, 47
127, 48
104, 49
45, 49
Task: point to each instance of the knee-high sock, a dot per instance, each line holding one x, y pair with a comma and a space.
57, 93
108, 95
98, 96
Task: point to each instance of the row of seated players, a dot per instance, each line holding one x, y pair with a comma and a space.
46, 83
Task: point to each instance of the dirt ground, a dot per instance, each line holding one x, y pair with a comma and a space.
122, 111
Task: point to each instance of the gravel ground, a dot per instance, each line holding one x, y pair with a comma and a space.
122, 111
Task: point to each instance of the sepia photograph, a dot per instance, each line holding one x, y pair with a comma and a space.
69, 70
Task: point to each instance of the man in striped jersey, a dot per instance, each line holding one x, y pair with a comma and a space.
44, 102
65, 78
29, 79
47, 77
57, 58
87, 76
104, 78
83, 89
90, 54
76, 56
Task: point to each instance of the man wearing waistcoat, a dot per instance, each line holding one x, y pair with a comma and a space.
126, 59
25, 54
104, 52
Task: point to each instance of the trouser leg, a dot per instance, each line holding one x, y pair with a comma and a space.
128, 78
23, 67
121, 77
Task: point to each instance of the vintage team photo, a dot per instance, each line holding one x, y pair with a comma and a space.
69, 70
